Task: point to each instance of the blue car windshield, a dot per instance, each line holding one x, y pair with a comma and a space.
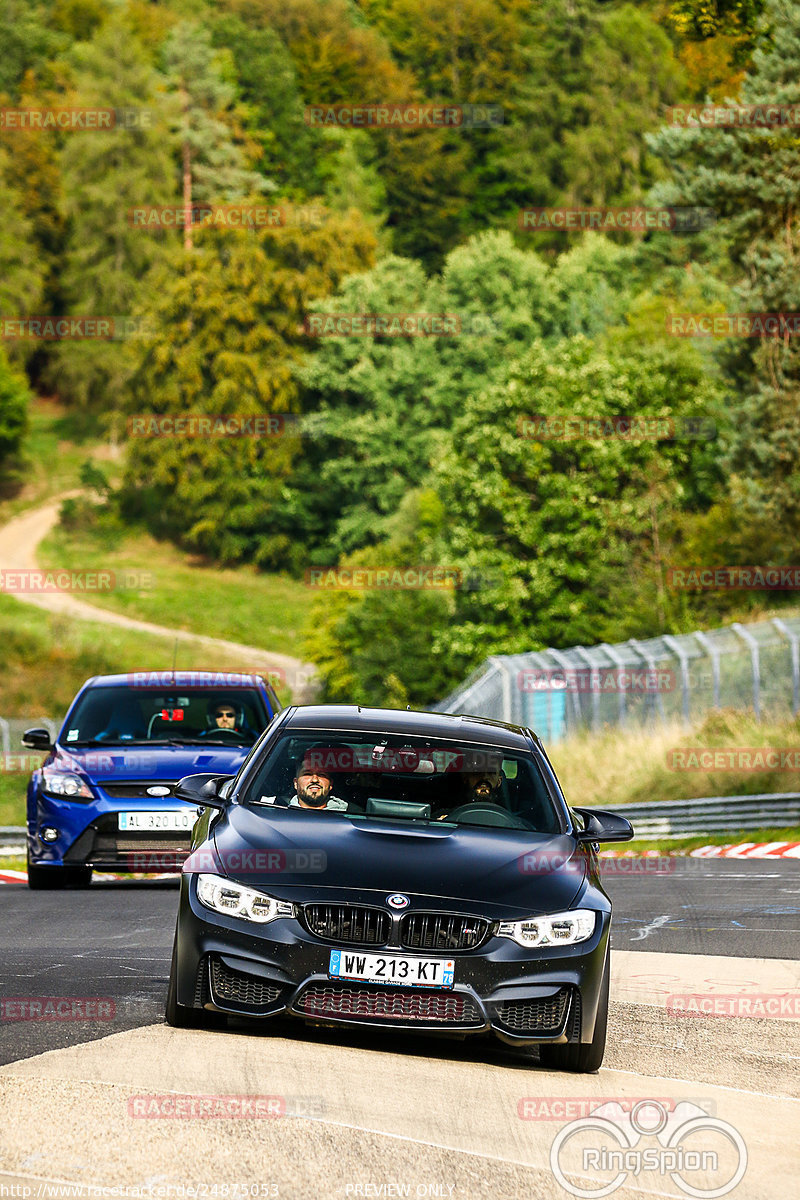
412, 779
113, 716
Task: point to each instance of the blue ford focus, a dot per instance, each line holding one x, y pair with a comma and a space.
104, 797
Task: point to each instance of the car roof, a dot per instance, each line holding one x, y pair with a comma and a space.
356, 718
167, 678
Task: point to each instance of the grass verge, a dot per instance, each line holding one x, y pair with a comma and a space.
621, 766
179, 591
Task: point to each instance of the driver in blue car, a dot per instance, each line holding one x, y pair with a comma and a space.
223, 717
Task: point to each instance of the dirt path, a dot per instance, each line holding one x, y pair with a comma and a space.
19, 540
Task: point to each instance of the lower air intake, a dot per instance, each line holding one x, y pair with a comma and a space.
534, 1016
351, 1002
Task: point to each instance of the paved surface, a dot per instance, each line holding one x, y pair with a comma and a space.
18, 542
114, 939
334, 1113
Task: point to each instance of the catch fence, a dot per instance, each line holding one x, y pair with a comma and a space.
655, 680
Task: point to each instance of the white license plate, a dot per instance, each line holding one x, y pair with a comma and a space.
180, 820
391, 968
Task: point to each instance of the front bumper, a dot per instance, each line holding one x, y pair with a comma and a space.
523, 997
89, 836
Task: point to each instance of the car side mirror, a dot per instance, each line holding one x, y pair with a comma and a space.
203, 790
37, 739
603, 826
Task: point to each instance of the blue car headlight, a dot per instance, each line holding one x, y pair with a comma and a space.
235, 900
554, 929
66, 784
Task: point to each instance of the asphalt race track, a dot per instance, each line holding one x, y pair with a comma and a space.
344, 1113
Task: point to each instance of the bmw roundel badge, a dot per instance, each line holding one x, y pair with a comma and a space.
398, 900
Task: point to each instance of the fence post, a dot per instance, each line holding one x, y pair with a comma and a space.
5, 734
593, 680
505, 674
683, 659
748, 638
650, 663
562, 661
794, 642
622, 696
713, 654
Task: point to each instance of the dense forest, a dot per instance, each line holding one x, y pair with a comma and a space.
407, 451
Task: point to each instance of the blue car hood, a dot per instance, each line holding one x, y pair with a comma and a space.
123, 764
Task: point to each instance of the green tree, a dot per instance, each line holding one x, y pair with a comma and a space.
213, 167
379, 409
227, 337
29, 43
747, 175
596, 77
106, 174
14, 400
549, 528
21, 275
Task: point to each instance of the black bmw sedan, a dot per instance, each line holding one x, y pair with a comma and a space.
400, 870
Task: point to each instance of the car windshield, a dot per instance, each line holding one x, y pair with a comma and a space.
113, 716
371, 776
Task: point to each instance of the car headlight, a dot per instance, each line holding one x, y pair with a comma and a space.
65, 783
555, 929
223, 896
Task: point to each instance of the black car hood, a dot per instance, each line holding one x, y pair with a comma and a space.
371, 859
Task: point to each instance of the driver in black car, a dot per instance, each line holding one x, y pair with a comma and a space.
480, 786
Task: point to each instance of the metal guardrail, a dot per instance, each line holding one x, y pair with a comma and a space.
12, 835
711, 814
662, 819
